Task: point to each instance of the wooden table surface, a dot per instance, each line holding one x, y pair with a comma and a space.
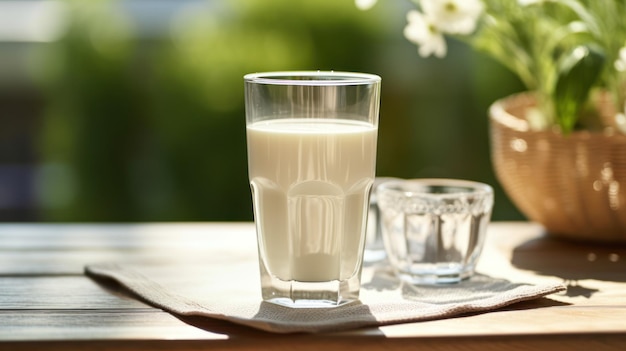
47, 303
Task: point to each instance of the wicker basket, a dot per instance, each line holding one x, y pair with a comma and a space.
575, 185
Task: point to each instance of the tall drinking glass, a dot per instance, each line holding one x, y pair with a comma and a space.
311, 161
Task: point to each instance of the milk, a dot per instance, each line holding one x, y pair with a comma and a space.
310, 182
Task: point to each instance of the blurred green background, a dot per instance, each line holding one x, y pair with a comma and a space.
121, 111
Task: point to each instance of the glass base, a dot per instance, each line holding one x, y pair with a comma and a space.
297, 294
307, 303
427, 274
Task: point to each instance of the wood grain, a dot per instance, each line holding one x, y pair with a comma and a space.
46, 302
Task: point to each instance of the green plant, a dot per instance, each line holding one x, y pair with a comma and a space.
144, 120
563, 50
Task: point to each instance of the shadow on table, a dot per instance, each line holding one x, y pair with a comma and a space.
474, 290
285, 320
572, 261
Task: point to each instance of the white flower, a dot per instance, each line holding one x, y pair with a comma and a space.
423, 32
454, 16
620, 63
365, 4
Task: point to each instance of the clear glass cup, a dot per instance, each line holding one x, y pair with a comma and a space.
311, 140
374, 247
434, 229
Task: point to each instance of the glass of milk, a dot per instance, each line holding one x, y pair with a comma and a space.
434, 229
311, 138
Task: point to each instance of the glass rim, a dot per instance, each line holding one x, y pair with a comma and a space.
312, 78
413, 187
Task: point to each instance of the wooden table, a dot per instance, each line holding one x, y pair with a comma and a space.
47, 303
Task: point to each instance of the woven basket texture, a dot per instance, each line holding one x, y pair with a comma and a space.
574, 185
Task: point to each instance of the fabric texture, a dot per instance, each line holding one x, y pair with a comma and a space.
384, 300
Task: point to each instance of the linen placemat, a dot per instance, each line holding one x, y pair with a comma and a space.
384, 300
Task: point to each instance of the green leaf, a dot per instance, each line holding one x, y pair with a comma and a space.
577, 72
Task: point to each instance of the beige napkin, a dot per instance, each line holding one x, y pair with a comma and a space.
384, 300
